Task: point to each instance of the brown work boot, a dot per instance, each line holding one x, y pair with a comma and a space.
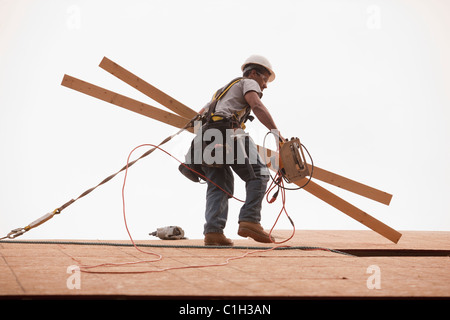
254, 231
217, 239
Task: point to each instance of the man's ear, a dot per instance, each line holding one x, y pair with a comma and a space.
252, 74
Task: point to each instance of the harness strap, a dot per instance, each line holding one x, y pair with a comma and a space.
232, 83
219, 94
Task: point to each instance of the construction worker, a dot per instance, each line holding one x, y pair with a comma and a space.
230, 110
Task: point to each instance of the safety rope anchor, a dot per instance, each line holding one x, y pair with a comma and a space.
20, 231
16, 233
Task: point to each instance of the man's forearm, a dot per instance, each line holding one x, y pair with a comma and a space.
260, 110
264, 116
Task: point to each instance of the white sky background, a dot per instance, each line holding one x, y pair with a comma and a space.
364, 84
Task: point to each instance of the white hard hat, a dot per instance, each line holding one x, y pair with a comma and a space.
262, 61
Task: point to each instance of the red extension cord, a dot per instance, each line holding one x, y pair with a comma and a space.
276, 182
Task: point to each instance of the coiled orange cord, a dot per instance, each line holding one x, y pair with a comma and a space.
87, 268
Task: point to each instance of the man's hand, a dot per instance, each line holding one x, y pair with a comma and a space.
280, 141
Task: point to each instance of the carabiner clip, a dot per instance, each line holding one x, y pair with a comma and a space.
16, 232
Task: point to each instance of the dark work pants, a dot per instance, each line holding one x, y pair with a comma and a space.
216, 212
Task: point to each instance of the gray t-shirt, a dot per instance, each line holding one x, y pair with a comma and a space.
233, 101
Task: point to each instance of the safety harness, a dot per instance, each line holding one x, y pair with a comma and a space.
237, 119
210, 120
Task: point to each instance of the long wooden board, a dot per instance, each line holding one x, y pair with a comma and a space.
338, 180
340, 204
351, 185
124, 102
351, 210
147, 89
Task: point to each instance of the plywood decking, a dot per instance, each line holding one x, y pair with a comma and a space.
30, 270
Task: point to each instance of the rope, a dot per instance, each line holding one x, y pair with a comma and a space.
20, 231
127, 166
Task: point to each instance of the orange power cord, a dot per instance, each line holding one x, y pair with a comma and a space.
159, 257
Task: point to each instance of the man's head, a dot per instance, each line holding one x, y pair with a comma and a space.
259, 69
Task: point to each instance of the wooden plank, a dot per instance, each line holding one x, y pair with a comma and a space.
351, 185
124, 102
340, 204
340, 181
350, 210
147, 89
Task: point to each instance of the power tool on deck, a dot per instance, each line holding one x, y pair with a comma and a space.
169, 233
